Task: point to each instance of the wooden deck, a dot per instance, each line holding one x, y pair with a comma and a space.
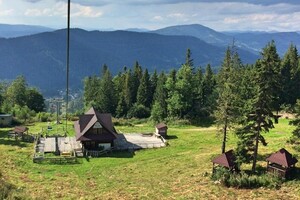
64, 144
138, 141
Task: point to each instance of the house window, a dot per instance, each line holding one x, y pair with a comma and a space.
98, 127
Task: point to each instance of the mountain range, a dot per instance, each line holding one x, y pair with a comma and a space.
41, 57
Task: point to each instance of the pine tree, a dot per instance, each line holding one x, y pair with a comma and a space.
296, 122
290, 77
226, 112
143, 97
91, 86
188, 58
159, 109
171, 94
259, 119
208, 91
136, 79
106, 101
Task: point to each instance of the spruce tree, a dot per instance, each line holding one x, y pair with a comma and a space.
143, 97
159, 109
290, 77
226, 112
259, 119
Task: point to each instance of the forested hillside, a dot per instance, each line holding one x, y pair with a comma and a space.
41, 58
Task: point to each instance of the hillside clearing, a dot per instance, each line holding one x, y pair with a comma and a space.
179, 171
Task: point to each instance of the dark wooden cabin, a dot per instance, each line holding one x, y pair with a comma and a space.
281, 163
226, 160
95, 130
161, 129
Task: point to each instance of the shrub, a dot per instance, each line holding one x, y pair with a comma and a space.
139, 111
244, 180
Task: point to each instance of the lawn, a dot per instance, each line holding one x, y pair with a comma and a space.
180, 171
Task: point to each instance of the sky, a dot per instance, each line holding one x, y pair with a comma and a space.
220, 15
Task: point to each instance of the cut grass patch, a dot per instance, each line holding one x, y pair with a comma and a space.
179, 171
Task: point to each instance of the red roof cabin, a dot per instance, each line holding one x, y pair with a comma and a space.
95, 131
161, 129
226, 160
281, 163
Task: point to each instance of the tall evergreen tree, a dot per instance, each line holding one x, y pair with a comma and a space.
159, 109
106, 101
226, 112
91, 86
209, 84
171, 94
260, 117
143, 97
136, 79
188, 58
290, 77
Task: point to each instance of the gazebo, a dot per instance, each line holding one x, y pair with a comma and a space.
281, 163
226, 160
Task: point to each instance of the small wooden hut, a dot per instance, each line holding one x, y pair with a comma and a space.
281, 163
226, 160
161, 129
5, 119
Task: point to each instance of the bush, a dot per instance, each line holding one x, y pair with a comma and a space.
139, 111
244, 180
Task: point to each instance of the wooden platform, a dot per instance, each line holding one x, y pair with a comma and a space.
64, 144
138, 141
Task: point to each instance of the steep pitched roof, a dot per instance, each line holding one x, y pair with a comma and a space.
161, 125
282, 157
89, 119
226, 159
20, 129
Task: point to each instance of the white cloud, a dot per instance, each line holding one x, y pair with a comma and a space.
8, 12
85, 11
157, 18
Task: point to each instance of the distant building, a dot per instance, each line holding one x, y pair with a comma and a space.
161, 129
95, 131
281, 163
5, 119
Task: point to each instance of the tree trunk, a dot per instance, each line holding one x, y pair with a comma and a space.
224, 138
255, 151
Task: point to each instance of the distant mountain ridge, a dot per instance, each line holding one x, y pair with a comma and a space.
199, 31
41, 57
11, 31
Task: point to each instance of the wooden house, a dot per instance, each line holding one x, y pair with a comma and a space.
5, 119
95, 131
281, 163
226, 160
161, 129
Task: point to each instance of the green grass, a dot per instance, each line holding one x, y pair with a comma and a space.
179, 171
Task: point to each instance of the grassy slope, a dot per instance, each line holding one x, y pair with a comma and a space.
178, 171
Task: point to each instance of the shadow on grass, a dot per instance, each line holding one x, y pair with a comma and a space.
171, 137
119, 154
203, 121
5, 140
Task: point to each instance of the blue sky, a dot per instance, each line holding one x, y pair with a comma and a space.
221, 15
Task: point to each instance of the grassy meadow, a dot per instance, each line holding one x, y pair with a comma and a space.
180, 171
